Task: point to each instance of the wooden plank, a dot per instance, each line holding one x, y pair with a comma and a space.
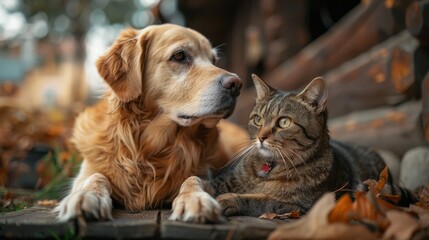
35, 222
391, 128
39, 222
126, 225
181, 230
235, 228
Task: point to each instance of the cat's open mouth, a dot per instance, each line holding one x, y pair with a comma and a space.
265, 169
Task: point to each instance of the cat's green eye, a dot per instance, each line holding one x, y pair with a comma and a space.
257, 120
284, 122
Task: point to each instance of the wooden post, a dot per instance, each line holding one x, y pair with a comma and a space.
385, 75
425, 109
395, 129
365, 26
417, 21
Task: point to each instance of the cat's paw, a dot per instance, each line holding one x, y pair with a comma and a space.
87, 204
229, 203
196, 207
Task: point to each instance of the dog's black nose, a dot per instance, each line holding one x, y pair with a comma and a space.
232, 83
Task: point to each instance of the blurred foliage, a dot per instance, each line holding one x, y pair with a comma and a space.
36, 158
55, 171
34, 143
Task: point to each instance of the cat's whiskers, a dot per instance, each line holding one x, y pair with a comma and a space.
287, 157
280, 154
300, 158
240, 155
284, 161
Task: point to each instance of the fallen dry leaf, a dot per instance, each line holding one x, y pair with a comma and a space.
315, 225
290, 215
382, 179
422, 213
402, 225
368, 209
424, 197
6, 200
47, 203
377, 186
342, 210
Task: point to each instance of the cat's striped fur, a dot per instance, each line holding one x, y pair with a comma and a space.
291, 161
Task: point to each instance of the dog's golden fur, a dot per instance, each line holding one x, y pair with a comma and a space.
155, 126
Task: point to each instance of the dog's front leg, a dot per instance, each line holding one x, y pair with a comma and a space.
194, 204
89, 198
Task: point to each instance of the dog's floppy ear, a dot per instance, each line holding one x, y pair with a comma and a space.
122, 65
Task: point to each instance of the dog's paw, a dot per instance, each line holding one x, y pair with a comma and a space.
196, 207
229, 203
86, 204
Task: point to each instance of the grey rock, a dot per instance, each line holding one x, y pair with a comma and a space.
415, 168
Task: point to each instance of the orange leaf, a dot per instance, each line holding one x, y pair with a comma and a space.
342, 212
363, 208
368, 209
295, 214
382, 179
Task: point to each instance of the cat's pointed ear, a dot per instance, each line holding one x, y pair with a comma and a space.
315, 94
262, 89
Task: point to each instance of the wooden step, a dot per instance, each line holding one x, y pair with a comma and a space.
40, 222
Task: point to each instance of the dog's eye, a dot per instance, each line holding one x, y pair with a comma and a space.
180, 56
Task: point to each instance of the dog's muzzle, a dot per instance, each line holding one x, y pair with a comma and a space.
229, 90
231, 84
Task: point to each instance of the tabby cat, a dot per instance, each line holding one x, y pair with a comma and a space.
291, 161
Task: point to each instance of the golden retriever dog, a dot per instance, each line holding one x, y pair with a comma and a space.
159, 123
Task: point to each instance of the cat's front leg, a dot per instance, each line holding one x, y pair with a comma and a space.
256, 204
194, 204
233, 204
230, 204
